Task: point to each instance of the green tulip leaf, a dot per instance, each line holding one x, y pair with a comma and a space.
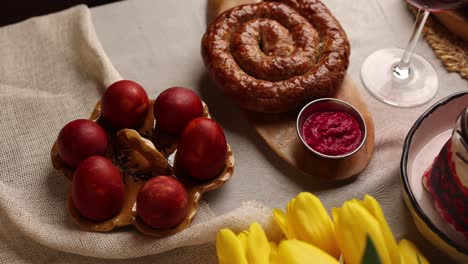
370, 253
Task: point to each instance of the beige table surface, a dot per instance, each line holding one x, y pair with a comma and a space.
157, 43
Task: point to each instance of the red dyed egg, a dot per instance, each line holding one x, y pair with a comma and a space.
124, 104
162, 202
97, 189
80, 139
202, 149
175, 107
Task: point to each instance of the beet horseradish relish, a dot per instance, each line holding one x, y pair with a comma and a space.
332, 132
331, 128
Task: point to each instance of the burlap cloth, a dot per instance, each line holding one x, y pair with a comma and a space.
53, 70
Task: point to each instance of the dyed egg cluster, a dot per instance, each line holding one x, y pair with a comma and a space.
98, 187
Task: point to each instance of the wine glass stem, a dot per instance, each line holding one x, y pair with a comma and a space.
402, 69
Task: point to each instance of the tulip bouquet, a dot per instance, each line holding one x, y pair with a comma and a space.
358, 234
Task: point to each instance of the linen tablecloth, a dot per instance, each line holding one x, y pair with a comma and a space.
157, 43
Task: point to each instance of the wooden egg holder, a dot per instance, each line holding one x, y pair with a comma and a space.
141, 154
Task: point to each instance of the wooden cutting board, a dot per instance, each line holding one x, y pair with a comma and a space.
279, 130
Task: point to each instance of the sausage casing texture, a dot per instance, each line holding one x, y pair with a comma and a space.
275, 56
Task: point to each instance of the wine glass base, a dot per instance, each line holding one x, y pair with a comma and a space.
380, 79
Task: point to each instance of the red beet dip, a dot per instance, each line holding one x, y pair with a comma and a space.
332, 133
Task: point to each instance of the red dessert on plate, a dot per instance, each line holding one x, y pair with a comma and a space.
447, 179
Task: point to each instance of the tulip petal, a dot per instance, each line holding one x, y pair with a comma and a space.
410, 254
258, 248
312, 224
229, 248
242, 236
290, 227
373, 206
280, 219
353, 223
298, 252
273, 253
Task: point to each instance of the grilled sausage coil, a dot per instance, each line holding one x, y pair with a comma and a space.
275, 56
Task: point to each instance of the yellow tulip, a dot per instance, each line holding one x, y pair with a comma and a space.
306, 219
299, 252
248, 247
242, 236
273, 253
229, 248
258, 247
410, 254
373, 207
353, 223
313, 238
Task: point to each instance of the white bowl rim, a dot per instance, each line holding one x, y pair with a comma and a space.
404, 176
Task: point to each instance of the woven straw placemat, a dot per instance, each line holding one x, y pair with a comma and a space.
449, 48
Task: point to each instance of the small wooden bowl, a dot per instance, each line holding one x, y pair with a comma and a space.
141, 154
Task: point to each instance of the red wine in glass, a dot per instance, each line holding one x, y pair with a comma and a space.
437, 5
399, 77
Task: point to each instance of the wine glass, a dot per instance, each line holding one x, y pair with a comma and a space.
400, 77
